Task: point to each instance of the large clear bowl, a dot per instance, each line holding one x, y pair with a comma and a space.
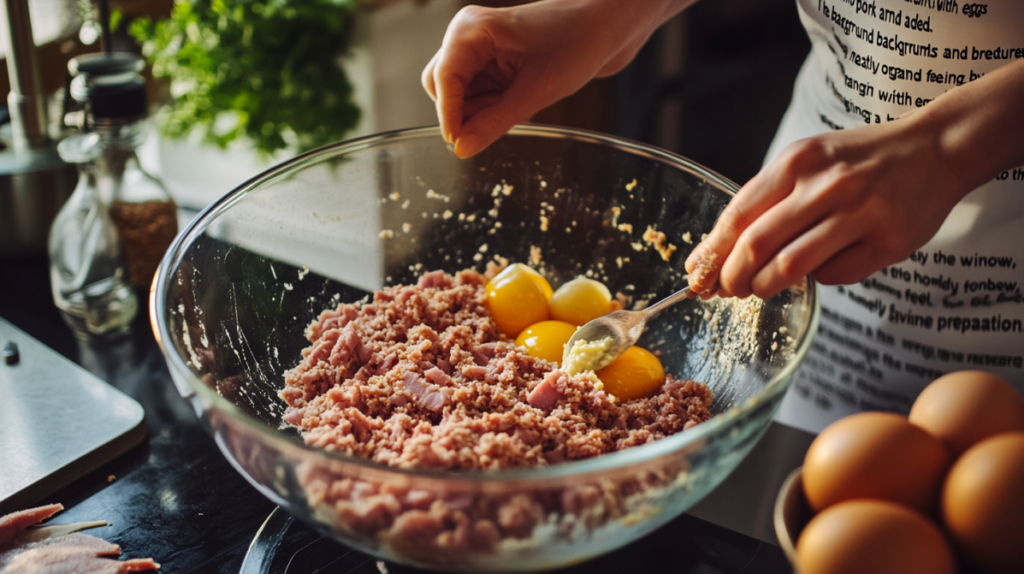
238, 288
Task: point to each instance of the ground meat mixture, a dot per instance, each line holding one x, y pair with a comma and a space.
421, 377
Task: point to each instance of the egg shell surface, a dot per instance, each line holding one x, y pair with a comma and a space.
983, 504
965, 407
875, 455
873, 537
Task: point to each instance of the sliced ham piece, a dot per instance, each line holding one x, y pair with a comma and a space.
73, 553
545, 395
438, 377
431, 279
427, 397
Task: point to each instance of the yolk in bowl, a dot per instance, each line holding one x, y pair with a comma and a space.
635, 374
545, 340
580, 300
517, 268
517, 300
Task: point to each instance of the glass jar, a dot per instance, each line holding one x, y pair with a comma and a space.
87, 274
113, 97
140, 206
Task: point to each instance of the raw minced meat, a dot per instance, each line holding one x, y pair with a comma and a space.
421, 377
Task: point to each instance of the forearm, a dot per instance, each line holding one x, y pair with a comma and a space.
651, 14
614, 30
646, 13
980, 125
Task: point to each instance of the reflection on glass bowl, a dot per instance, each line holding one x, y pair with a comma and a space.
237, 290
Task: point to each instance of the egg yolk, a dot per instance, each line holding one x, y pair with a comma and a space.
635, 374
545, 340
580, 300
516, 302
516, 268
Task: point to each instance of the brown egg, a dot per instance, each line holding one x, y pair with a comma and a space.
965, 407
872, 537
875, 455
983, 504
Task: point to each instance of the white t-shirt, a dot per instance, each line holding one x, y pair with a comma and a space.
956, 303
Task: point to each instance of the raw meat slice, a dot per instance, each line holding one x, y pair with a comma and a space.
73, 553
14, 522
59, 558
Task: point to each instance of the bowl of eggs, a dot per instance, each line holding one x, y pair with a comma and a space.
372, 333
938, 491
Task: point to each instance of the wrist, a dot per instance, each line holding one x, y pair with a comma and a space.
978, 125
615, 17
588, 38
656, 9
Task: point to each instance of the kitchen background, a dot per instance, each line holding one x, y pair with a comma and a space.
711, 84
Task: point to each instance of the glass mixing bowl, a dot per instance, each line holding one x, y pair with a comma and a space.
236, 291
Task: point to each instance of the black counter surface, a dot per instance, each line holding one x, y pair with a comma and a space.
176, 499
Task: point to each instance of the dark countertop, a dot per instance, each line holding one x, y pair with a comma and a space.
176, 499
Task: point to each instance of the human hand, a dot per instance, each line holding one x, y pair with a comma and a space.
499, 66
838, 206
842, 205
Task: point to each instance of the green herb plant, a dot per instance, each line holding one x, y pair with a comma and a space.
265, 70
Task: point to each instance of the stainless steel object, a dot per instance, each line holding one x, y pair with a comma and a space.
34, 182
59, 422
623, 327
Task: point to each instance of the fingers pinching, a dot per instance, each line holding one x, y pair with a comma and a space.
427, 77
703, 267
522, 98
760, 194
769, 241
849, 266
804, 255
705, 262
465, 52
759, 221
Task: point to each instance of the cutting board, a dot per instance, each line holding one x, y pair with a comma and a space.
57, 422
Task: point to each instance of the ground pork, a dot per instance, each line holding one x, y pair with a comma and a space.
421, 377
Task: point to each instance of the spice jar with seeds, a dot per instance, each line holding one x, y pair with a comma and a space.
113, 95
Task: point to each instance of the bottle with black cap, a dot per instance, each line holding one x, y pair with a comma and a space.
112, 93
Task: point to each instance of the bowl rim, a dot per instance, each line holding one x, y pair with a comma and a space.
614, 460
790, 513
